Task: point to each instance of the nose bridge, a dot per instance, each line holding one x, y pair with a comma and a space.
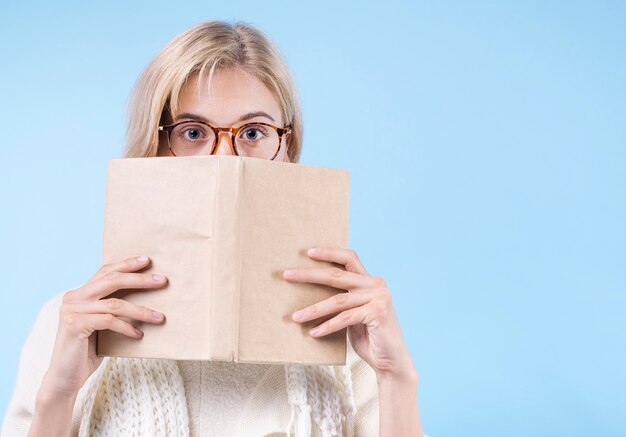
225, 140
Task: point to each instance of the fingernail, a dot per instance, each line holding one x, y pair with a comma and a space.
298, 315
314, 331
139, 332
157, 315
290, 273
158, 278
313, 251
142, 259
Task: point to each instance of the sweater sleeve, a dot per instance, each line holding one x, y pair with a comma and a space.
33, 365
365, 387
365, 390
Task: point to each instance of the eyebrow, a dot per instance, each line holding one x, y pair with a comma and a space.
244, 117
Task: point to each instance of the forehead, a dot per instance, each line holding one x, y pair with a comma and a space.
231, 93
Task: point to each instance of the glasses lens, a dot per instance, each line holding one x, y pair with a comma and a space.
257, 141
191, 138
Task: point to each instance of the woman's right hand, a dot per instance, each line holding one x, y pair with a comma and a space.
85, 310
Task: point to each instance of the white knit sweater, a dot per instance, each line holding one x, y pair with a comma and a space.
144, 397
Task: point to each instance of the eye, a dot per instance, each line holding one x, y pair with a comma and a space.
253, 133
193, 133
190, 132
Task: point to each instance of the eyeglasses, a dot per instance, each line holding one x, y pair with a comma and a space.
258, 140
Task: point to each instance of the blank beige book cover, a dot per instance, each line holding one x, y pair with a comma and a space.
223, 229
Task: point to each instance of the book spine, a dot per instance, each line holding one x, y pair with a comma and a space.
238, 257
225, 271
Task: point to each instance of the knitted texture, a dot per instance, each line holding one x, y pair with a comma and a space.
135, 397
321, 399
145, 397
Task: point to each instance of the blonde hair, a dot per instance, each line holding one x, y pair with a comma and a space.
201, 50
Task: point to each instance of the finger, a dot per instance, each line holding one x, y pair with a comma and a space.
114, 280
83, 325
117, 307
127, 265
342, 320
346, 257
334, 277
332, 305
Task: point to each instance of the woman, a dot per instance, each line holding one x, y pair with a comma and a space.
215, 75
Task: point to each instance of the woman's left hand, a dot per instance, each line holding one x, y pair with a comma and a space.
366, 310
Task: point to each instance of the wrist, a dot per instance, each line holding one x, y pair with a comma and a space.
53, 413
403, 377
47, 399
51, 393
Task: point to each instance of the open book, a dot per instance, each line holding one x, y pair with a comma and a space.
223, 229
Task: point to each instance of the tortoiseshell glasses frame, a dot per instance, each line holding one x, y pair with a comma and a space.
233, 134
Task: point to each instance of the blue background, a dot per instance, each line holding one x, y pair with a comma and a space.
487, 148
